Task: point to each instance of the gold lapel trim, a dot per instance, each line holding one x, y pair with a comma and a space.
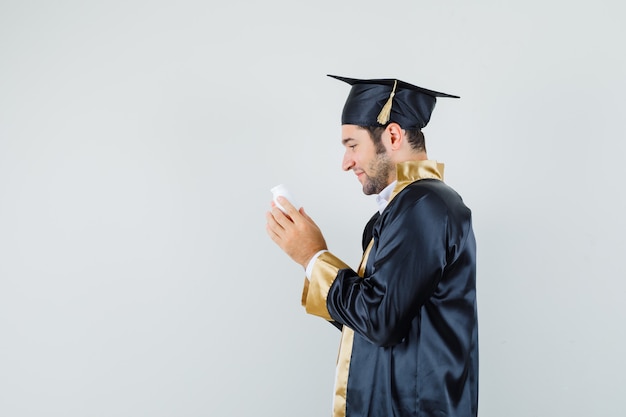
411, 171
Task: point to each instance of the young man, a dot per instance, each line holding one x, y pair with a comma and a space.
408, 314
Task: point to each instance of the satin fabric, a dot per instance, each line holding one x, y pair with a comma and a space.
414, 315
410, 336
411, 106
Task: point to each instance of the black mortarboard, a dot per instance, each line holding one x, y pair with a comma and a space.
378, 102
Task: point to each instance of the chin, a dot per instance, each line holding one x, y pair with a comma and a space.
368, 191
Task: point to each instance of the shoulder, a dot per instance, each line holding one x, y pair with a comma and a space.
430, 191
426, 201
429, 207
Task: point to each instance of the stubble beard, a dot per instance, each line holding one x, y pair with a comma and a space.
380, 168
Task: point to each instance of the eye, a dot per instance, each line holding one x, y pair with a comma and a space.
352, 146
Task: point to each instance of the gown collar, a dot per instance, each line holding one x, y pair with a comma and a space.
411, 171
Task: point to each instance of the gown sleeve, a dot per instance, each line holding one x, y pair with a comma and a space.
406, 262
316, 289
322, 278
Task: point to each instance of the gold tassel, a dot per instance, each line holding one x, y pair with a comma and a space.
385, 113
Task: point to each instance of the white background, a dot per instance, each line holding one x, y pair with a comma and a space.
138, 143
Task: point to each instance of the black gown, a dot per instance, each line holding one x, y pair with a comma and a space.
410, 333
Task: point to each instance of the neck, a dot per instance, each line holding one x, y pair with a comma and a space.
411, 156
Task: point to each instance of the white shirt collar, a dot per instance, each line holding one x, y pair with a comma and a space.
382, 199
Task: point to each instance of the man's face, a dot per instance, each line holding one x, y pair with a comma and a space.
372, 167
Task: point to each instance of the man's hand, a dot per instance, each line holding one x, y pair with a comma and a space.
295, 232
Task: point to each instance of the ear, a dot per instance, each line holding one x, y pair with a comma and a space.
396, 135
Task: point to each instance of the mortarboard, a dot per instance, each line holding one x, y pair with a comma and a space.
378, 102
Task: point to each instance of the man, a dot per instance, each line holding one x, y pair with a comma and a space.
408, 315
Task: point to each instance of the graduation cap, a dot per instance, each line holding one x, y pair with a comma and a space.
381, 101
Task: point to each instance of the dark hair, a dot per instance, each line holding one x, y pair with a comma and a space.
414, 136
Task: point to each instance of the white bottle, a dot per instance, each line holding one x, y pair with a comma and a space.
280, 189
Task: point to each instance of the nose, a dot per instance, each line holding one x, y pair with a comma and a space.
348, 163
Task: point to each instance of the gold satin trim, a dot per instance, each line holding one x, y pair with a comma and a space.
411, 171
345, 352
315, 290
342, 370
366, 254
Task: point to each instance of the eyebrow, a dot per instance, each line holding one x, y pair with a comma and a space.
346, 140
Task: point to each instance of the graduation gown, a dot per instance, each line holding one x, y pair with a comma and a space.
408, 314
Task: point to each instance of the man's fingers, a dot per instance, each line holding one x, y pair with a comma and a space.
304, 214
272, 234
282, 219
280, 223
290, 210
